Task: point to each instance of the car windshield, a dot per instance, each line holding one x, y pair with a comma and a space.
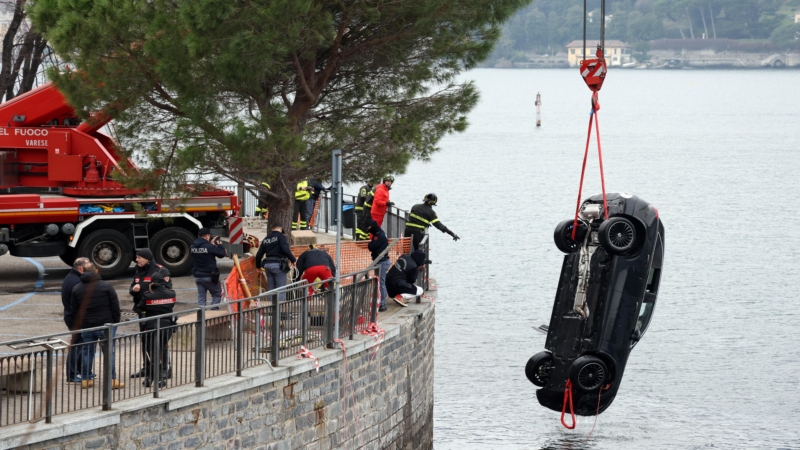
649, 302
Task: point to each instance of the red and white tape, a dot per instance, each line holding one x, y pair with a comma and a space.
374, 330
306, 353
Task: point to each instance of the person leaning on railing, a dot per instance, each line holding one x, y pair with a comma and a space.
421, 217
158, 301
377, 244
380, 201
401, 277
94, 303
315, 263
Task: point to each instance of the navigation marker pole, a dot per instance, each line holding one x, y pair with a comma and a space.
538, 109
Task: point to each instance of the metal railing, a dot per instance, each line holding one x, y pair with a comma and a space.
394, 222
197, 344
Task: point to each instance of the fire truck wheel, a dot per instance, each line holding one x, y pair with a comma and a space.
109, 250
68, 256
171, 249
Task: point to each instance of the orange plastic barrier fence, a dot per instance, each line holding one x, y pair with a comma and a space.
355, 255
234, 288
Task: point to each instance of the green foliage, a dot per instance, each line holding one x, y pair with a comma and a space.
263, 90
786, 36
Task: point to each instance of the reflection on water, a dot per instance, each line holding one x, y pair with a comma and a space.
717, 153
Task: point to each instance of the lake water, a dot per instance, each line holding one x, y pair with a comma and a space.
718, 153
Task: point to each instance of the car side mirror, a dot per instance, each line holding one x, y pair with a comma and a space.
636, 335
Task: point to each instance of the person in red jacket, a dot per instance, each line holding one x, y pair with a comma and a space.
380, 203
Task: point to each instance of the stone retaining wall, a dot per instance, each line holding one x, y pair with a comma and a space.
293, 407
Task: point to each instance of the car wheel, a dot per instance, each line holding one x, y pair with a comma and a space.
588, 373
68, 256
563, 236
539, 367
617, 235
109, 250
170, 248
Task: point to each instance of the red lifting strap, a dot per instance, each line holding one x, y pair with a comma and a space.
592, 117
568, 398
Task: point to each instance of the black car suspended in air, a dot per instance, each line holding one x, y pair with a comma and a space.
604, 303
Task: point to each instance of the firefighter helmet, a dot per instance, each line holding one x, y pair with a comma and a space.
430, 199
388, 178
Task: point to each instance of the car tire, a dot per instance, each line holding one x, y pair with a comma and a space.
170, 248
618, 235
588, 373
539, 367
69, 256
109, 250
563, 236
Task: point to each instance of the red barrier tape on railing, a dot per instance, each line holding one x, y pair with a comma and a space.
379, 335
306, 353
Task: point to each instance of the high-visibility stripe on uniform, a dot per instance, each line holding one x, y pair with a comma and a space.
415, 225
302, 195
425, 221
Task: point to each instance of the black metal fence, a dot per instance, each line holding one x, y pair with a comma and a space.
193, 345
394, 222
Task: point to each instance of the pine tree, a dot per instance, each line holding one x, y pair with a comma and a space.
263, 90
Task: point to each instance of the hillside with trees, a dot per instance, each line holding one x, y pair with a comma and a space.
546, 26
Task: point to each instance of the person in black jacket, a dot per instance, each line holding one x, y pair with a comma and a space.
421, 217
315, 263
377, 244
273, 248
145, 269
312, 202
402, 276
94, 303
160, 300
205, 251
363, 216
74, 356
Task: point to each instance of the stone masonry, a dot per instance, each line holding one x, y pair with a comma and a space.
293, 407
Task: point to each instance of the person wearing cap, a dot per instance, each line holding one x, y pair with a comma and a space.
401, 277
315, 263
421, 217
145, 269
157, 301
377, 244
380, 202
205, 251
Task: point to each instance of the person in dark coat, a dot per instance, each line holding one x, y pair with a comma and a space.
312, 202
94, 303
146, 267
315, 263
377, 244
205, 251
402, 276
273, 248
158, 301
74, 356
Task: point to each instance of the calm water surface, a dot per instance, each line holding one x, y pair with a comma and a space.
718, 153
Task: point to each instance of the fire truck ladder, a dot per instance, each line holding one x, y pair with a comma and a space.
141, 239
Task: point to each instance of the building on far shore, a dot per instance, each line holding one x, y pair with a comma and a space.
617, 53
797, 18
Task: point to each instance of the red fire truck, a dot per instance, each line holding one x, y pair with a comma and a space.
59, 195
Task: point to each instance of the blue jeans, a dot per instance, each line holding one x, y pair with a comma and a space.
90, 339
74, 356
384, 265
204, 285
311, 202
275, 277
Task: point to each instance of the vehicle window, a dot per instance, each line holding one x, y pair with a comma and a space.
652, 280
645, 314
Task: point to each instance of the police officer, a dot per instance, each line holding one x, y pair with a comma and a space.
301, 195
157, 301
205, 251
361, 216
274, 247
421, 217
145, 269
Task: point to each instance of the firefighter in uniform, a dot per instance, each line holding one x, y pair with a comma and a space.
421, 217
145, 269
261, 206
361, 216
158, 301
301, 196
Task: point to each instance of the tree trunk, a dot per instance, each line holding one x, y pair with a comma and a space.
713, 27
689, 19
703, 16
280, 209
683, 36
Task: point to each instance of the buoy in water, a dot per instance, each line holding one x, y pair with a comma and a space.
538, 109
